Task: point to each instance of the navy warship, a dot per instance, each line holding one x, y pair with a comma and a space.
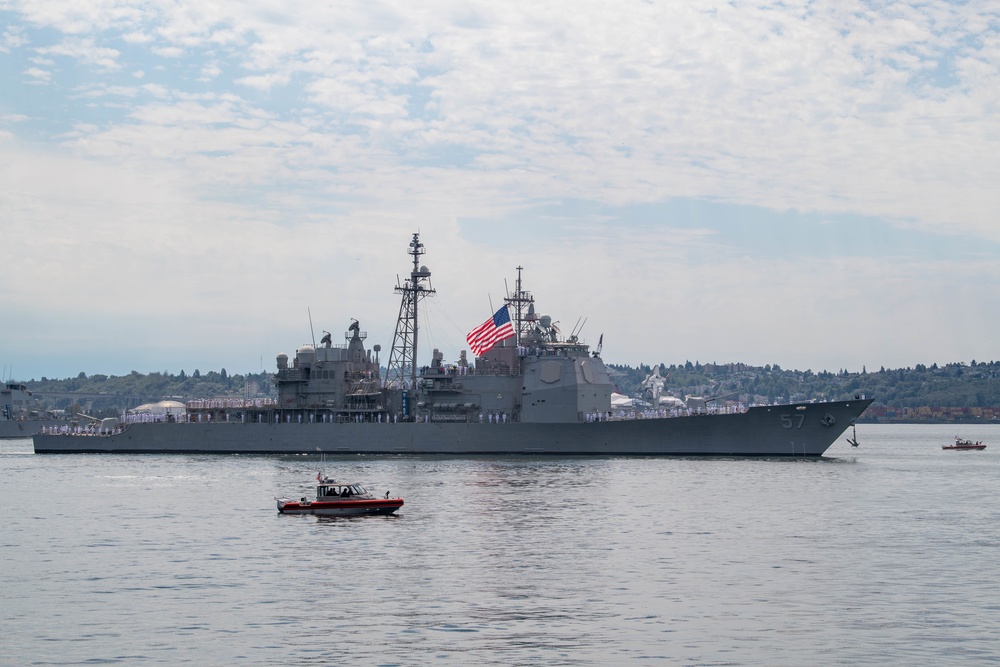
18, 416
530, 390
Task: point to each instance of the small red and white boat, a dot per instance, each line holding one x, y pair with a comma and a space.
965, 444
339, 499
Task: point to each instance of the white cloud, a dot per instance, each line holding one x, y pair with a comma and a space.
319, 132
13, 37
209, 72
168, 51
156, 90
79, 17
263, 82
40, 75
137, 38
84, 50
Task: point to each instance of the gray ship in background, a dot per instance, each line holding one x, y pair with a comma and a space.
529, 391
20, 416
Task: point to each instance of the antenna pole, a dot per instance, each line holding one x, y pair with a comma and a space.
521, 301
403, 356
518, 306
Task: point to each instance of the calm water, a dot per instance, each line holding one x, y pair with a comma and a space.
885, 554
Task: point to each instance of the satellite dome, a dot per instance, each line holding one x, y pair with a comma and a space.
305, 356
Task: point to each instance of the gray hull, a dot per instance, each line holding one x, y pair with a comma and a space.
805, 429
12, 428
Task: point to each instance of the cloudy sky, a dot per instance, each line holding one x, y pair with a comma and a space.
185, 184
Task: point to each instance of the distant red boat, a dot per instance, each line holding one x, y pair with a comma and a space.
336, 499
965, 444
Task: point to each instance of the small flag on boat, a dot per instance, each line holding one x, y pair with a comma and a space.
491, 332
319, 476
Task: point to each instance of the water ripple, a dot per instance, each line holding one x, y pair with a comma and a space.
884, 554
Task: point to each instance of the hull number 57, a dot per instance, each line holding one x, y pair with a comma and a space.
792, 421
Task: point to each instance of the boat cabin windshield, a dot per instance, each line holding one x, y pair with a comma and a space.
340, 490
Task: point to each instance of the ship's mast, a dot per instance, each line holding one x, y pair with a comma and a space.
403, 356
524, 309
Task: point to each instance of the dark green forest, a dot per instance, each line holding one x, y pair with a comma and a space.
106, 395
960, 385
956, 385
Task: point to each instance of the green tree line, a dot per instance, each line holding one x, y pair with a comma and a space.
960, 384
105, 395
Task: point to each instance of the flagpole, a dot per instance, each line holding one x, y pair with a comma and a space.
490, 297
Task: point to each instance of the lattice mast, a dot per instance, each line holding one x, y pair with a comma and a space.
403, 356
523, 305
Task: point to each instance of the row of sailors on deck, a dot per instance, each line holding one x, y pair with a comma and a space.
447, 370
142, 417
74, 430
680, 412
231, 403
327, 418
484, 418
525, 351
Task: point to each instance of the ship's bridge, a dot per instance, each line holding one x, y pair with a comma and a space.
565, 349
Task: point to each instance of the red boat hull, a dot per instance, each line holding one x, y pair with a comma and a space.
360, 507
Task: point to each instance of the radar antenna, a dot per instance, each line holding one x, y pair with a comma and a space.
403, 356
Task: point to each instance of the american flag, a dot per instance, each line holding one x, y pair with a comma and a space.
490, 332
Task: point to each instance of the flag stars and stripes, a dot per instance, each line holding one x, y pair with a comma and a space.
491, 332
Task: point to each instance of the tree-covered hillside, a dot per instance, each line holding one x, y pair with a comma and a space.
102, 395
955, 385
976, 384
